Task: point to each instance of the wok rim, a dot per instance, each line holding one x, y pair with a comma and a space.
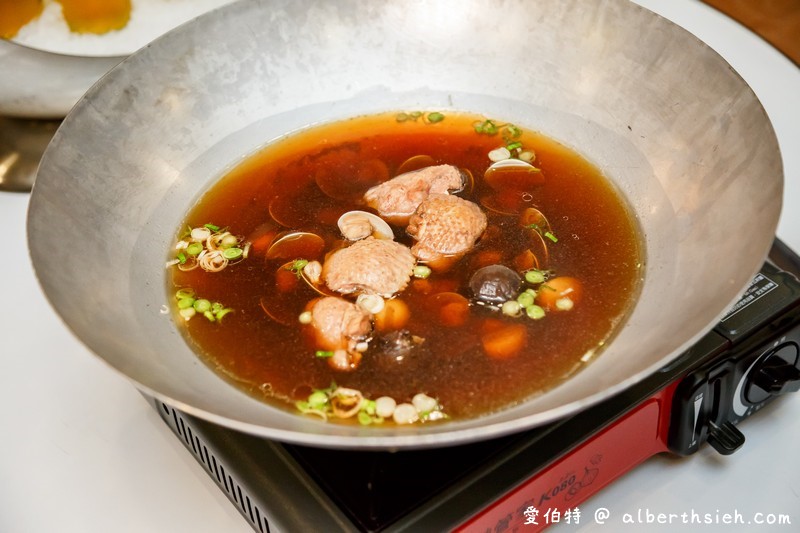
435, 438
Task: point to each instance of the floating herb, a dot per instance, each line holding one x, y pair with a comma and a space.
511, 132
487, 127
208, 247
341, 402
435, 117
515, 145
297, 266
189, 305
430, 118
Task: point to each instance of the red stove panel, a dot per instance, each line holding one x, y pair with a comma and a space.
554, 494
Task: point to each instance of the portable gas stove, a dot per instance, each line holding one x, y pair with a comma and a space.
745, 362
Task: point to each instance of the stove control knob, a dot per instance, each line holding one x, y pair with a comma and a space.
778, 373
726, 439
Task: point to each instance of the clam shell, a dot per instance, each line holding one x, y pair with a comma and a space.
415, 163
296, 245
513, 173
350, 224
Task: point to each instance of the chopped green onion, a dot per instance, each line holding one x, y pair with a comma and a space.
305, 317
534, 277
212, 227
369, 407
511, 308
185, 303
421, 271
202, 305
435, 117
486, 127
184, 293
430, 118
181, 257
513, 146
232, 253
512, 132
299, 264
535, 312
549, 234
222, 312
323, 354
525, 299
228, 241
318, 399
565, 304
499, 154
188, 306
194, 248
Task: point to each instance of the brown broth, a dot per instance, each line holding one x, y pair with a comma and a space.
598, 243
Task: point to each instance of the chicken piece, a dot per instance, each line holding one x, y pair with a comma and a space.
372, 266
445, 226
339, 324
398, 198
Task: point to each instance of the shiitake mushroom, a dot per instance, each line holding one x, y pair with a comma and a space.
494, 284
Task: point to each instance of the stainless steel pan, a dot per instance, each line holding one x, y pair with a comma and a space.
679, 132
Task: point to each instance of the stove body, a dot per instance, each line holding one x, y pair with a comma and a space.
529, 479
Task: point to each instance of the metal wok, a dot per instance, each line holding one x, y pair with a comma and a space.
677, 130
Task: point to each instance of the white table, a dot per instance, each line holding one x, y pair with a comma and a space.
81, 451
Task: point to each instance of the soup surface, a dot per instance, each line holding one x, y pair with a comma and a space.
494, 287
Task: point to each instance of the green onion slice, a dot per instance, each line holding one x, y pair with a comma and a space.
202, 305
232, 253
184, 293
512, 131
421, 271
185, 303
222, 312
194, 248
534, 276
435, 117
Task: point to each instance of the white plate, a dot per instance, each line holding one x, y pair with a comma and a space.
53, 67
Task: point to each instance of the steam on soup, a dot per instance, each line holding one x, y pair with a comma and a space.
405, 268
